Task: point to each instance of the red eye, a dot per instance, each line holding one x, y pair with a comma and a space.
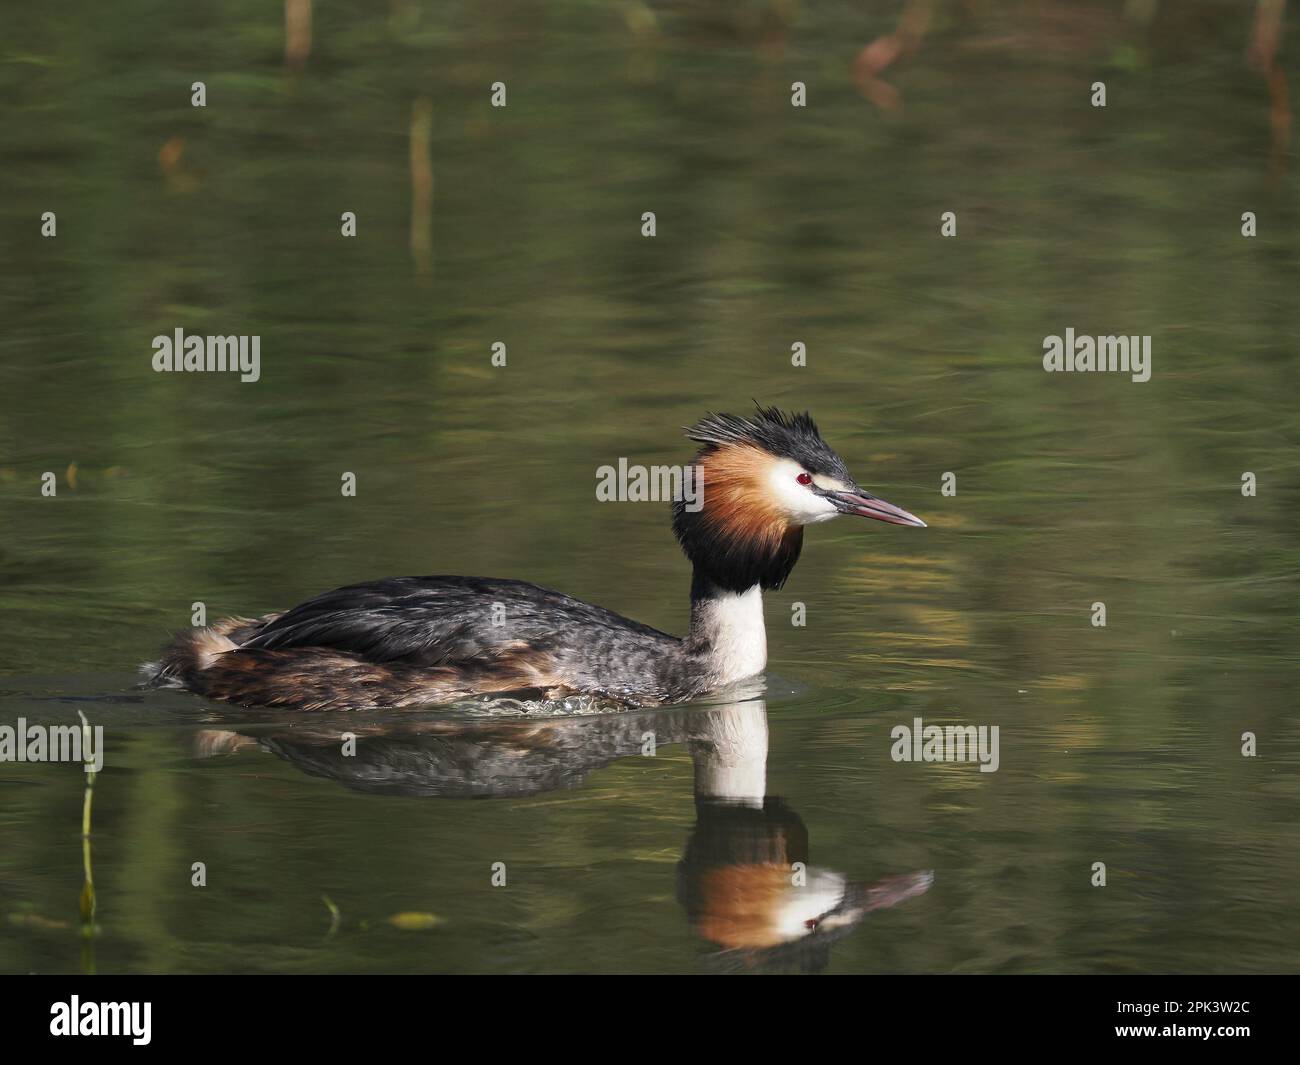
804, 478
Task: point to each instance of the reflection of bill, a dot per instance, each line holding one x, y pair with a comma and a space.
744, 878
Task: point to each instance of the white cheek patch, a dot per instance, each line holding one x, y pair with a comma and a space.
823, 892
798, 502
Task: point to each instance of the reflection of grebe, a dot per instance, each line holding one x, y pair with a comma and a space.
457, 759
747, 887
408, 641
744, 878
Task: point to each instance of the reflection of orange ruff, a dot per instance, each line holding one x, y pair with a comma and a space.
739, 905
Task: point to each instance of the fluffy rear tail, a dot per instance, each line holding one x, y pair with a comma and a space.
194, 650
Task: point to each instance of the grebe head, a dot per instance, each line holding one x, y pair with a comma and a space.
764, 478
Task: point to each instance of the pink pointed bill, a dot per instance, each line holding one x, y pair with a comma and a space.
865, 505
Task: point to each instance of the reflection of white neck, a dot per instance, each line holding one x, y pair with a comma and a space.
729, 748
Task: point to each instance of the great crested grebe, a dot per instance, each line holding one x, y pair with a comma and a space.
413, 641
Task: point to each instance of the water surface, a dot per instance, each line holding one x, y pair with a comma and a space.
820, 225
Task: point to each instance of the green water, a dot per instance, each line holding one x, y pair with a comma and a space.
775, 225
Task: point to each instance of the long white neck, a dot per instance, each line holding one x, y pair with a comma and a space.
727, 630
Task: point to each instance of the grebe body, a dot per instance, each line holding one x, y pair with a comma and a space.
414, 641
